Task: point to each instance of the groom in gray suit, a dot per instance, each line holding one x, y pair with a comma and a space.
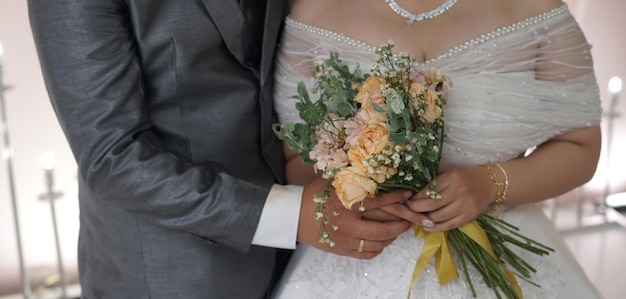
167, 108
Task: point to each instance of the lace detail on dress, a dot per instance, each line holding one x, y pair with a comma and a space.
315, 274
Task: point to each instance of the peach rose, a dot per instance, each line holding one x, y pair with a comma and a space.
370, 91
433, 111
352, 185
371, 141
364, 117
357, 157
374, 138
370, 115
378, 172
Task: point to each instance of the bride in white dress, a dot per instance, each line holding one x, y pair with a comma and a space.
523, 80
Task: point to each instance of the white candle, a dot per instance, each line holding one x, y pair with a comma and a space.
48, 161
615, 84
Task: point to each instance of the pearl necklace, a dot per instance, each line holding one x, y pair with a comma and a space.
411, 17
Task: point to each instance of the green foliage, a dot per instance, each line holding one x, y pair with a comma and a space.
333, 88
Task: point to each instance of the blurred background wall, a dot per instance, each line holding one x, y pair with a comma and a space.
33, 130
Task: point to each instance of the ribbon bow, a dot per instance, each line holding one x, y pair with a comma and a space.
437, 245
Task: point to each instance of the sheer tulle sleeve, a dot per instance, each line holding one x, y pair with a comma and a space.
298, 51
514, 88
519, 87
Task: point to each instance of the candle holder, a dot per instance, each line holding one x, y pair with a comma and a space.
7, 155
48, 161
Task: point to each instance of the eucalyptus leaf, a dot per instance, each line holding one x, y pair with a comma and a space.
406, 116
313, 113
303, 94
378, 108
344, 109
397, 138
395, 103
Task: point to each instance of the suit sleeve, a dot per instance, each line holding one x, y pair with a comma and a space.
94, 80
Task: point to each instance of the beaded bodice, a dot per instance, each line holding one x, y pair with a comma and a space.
457, 49
532, 80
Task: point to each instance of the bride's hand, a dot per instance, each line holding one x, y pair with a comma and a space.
465, 193
394, 212
353, 232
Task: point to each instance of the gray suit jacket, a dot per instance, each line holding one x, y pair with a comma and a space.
167, 108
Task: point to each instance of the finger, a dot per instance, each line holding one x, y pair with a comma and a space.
363, 245
387, 198
449, 224
365, 255
393, 212
347, 237
404, 212
460, 207
379, 215
425, 205
445, 213
380, 231
442, 183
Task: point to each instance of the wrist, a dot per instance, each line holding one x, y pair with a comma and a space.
499, 185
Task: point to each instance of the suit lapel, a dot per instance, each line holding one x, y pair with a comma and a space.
275, 13
229, 20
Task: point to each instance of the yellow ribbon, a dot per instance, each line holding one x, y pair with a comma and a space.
437, 245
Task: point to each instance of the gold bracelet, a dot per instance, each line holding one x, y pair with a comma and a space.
505, 187
494, 179
502, 187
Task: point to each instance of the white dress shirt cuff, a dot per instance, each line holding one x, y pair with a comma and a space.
278, 225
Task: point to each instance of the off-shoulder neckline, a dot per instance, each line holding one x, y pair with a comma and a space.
457, 49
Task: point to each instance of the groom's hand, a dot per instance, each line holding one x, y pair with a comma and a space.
353, 231
394, 212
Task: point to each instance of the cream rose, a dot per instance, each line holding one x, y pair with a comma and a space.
352, 185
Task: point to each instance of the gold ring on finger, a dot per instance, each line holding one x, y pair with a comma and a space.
361, 245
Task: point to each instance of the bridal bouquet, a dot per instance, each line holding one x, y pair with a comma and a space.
368, 133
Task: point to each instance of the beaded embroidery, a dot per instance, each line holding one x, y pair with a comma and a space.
468, 44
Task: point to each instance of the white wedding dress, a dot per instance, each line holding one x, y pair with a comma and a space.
514, 88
